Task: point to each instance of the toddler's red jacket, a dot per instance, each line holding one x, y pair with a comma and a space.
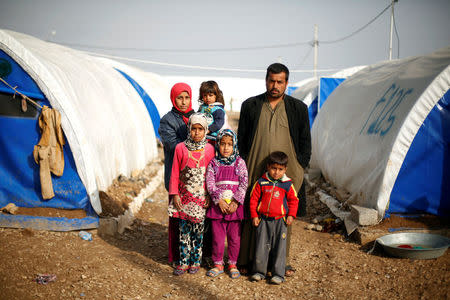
274, 199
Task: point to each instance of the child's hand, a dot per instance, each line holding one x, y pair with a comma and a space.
207, 202
256, 221
224, 207
232, 207
289, 220
177, 202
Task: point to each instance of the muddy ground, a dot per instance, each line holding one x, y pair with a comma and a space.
133, 265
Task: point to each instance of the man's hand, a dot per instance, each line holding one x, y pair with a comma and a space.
289, 220
177, 202
256, 221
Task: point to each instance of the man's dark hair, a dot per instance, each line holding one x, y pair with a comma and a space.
277, 68
277, 157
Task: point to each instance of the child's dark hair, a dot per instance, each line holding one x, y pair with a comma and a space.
277, 68
210, 87
277, 157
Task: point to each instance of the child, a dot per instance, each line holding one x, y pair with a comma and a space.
212, 105
273, 205
226, 181
188, 193
173, 130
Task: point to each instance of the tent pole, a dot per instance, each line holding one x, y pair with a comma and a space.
392, 27
316, 44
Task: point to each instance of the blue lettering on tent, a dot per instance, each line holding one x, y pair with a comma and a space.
382, 115
151, 107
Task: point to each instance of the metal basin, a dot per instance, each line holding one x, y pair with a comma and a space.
414, 245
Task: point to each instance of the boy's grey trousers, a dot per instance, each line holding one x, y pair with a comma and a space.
270, 246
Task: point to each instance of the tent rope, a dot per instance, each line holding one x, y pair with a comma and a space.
23, 96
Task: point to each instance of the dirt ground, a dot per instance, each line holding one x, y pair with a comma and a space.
133, 265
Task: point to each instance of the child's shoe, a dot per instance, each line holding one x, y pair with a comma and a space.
180, 270
256, 277
234, 272
276, 280
193, 269
216, 271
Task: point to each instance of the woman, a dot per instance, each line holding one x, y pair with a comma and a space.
173, 130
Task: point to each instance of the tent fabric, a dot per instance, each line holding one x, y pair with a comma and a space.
152, 88
326, 86
365, 130
20, 176
48, 223
104, 119
151, 108
309, 90
432, 194
20, 183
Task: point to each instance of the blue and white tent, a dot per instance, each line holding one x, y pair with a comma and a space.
315, 91
107, 124
384, 136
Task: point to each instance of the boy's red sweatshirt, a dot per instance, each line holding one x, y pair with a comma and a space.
275, 199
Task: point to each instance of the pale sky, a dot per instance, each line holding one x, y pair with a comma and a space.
213, 33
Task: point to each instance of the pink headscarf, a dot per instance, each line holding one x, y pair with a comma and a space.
177, 89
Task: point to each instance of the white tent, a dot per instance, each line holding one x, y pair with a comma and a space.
104, 119
314, 91
307, 90
383, 135
154, 85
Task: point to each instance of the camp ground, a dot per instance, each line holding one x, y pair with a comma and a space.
315, 91
109, 115
383, 135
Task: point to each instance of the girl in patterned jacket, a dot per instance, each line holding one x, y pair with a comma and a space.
188, 193
226, 181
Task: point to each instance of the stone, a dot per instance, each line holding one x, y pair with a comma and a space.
107, 226
342, 194
135, 173
310, 226
314, 174
350, 226
363, 216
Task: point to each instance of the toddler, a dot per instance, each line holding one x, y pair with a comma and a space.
212, 105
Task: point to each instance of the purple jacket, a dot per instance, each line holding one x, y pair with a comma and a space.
221, 177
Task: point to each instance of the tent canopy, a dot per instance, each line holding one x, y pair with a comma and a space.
314, 91
107, 124
383, 135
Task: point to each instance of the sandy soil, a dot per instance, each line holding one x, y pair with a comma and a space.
134, 265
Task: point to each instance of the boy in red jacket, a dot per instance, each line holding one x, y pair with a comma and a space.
273, 207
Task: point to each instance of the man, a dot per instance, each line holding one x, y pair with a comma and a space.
273, 121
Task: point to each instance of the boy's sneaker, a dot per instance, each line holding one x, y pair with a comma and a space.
276, 280
256, 277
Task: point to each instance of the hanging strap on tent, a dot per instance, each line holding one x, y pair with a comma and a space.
24, 97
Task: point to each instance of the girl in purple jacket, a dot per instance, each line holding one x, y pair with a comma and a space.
226, 182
